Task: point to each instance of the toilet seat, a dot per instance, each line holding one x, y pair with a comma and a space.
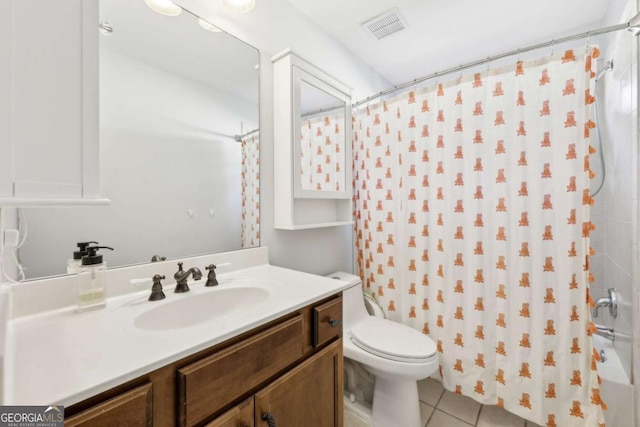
392, 340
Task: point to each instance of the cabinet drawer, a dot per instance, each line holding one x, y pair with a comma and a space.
327, 321
132, 409
208, 385
238, 416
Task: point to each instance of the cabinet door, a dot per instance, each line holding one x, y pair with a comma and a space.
131, 409
209, 384
238, 416
308, 396
49, 93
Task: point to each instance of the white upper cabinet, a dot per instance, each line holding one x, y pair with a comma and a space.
49, 151
312, 147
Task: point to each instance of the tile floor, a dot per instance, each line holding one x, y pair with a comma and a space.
441, 408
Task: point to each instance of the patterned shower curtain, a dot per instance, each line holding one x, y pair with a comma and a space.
250, 226
322, 166
472, 220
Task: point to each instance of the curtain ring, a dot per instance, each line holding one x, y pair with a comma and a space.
553, 46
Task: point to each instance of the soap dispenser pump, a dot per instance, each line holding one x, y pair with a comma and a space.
74, 263
92, 279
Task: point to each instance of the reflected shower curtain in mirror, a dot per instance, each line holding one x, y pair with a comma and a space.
322, 163
250, 191
472, 223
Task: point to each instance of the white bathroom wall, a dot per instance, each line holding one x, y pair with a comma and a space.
273, 26
615, 212
173, 146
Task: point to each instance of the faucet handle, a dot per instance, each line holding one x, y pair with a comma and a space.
211, 278
179, 266
156, 289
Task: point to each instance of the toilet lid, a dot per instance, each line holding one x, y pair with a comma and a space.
392, 340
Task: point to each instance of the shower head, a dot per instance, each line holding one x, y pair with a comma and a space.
634, 25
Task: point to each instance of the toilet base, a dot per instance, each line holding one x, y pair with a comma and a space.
395, 403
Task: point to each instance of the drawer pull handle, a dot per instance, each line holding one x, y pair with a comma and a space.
269, 419
334, 323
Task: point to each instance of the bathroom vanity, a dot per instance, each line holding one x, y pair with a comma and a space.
277, 369
266, 344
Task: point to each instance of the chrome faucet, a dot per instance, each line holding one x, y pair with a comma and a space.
181, 277
605, 332
611, 301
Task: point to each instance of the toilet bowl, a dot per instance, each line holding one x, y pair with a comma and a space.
397, 355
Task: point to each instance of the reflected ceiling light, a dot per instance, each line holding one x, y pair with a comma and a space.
208, 26
164, 7
240, 6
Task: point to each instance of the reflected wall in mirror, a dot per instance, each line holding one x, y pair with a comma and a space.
322, 124
176, 103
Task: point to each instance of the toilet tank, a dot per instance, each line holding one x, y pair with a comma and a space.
353, 309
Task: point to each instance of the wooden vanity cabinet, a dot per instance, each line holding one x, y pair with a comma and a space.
290, 368
131, 408
238, 416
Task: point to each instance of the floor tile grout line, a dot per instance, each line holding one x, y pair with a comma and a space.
455, 416
435, 408
478, 416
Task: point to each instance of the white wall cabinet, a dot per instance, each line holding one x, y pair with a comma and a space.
313, 175
49, 150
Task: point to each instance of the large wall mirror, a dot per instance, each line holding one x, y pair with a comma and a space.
179, 160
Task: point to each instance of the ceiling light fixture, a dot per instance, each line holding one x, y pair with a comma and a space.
240, 6
164, 7
208, 26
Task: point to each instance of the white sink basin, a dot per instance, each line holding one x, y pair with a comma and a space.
195, 309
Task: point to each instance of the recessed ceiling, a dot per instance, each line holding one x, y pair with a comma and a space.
445, 33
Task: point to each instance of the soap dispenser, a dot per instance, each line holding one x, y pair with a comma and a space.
74, 263
92, 280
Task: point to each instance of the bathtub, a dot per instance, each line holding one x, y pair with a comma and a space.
616, 389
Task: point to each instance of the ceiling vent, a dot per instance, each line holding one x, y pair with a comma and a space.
390, 22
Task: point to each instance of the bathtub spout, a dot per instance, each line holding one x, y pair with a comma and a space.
605, 332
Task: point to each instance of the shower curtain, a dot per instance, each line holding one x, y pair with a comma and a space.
322, 164
472, 222
250, 225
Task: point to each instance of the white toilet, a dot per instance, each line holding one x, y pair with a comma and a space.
395, 354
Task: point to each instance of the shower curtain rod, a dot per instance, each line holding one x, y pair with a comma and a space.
239, 138
632, 25
322, 110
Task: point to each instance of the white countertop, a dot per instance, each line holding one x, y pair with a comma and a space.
62, 357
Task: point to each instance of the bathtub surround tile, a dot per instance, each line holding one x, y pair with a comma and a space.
430, 391
623, 345
618, 243
493, 416
459, 406
440, 419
